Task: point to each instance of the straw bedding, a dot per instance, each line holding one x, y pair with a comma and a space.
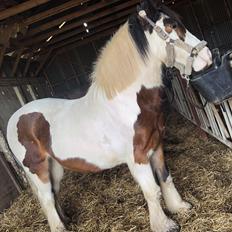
112, 201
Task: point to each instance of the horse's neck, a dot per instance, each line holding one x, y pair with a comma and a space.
149, 77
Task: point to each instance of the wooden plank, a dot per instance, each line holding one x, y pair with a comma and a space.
21, 8
83, 36
221, 125
9, 188
56, 10
71, 16
90, 27
227, 119
87, 40
8, 156
33, 40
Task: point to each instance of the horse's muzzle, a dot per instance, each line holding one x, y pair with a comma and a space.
203, 60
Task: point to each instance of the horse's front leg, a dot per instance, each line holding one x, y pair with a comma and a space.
171, 196
158, 220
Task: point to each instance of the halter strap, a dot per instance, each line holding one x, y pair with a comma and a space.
185, 69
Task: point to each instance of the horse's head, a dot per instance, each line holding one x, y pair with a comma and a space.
170, 40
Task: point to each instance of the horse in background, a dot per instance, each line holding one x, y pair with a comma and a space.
119, 120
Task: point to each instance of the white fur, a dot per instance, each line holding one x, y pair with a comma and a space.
172, 198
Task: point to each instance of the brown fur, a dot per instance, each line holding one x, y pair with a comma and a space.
80, 165
149, 127
172, 24
34, 135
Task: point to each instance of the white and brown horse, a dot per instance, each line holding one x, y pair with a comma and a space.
120, 120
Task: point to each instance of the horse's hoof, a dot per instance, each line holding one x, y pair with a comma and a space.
175, 229
183, 206
169, 226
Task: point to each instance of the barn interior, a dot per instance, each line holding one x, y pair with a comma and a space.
47, 49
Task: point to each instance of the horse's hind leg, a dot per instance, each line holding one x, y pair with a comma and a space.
47, 201
158, 220
171, 196
56, 175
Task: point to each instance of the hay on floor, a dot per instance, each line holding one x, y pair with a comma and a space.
112, 201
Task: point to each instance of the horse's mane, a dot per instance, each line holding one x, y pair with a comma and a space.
125, 54
118, 64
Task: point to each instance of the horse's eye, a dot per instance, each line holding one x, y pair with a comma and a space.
174, 26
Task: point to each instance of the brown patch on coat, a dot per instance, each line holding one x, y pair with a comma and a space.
172, 24
78, 164
149, 127
34, 135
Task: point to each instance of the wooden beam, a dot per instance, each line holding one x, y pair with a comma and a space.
37, 72
19, 53
84, 35
86, 40
21, 8
71, 16
56, 10
94, 25
115, 11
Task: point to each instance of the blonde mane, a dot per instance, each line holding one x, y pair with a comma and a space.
118, 65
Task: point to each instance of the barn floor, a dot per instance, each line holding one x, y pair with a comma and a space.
111, 201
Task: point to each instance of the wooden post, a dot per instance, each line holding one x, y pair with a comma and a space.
43, 63
49, 83
19, 53
10, 158
2, 52
27, 66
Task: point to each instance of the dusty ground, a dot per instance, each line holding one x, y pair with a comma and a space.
111, 201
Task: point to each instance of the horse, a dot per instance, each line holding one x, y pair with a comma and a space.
119, 121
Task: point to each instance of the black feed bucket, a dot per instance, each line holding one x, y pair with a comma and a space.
215, 84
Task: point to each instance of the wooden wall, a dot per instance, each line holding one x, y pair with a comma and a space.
69, 73
209, 20
9, 186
